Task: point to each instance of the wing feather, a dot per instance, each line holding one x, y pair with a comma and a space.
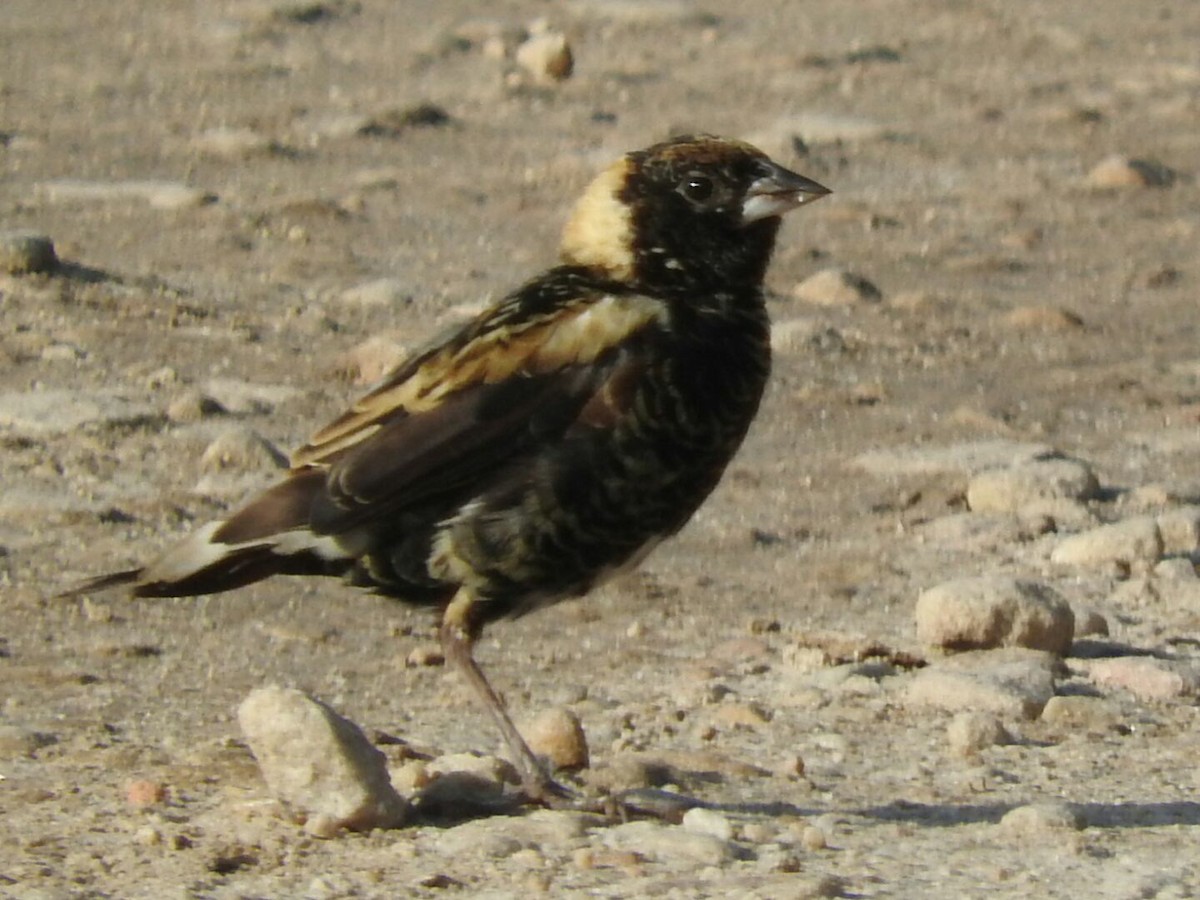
447, 421
490, 351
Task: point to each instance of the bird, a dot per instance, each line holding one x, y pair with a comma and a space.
550, 442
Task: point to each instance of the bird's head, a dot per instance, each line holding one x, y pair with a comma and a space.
692, 213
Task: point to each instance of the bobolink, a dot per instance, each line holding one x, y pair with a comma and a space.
553, 440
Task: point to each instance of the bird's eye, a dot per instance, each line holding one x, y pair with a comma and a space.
697, 188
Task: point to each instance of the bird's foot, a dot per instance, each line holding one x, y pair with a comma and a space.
636, 804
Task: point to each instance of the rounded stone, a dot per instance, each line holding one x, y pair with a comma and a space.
987, 612
23, 252
557, 734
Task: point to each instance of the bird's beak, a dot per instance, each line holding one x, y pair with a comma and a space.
777, 192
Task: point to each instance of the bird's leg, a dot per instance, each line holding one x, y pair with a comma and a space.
457, 645
537, 785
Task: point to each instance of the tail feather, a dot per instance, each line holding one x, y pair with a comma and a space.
101, 583
268, 536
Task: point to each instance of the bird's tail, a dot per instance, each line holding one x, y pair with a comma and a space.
271, 535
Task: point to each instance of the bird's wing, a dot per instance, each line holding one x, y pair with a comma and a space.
497, 348
488, 396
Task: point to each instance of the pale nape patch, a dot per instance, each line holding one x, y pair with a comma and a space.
599, 233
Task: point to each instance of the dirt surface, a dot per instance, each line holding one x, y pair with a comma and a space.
228, 185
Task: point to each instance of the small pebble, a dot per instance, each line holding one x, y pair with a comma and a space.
759, 832
557, 735
836, 287
410, 777
971, 732
1123, 172
1134, 542
148, 836
371, 360
741, 715
240, 450
23, 252
1019, 487
382, 292
914, 301
1145, 677
699, 820
144, 792
1180, 530
791, 766
669, 843
192, 406
477, 839
457, 775
1042, 318
233, 143
62, 352
1090, 622
1037, 819
793, 334
425, 655
813, 838
546, 57
1079, 711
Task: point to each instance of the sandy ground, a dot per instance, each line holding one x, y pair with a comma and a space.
222, 180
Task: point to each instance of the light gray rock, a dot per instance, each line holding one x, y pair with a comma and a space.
1020, 487
1035, 820
389, 292
1080, 711
1145, 677
318, 761
546, 57
370, 360
480, 838
699, 820
971, 732
669, 844
794, 334
1010, 683
994, 611
192, 405
1132, 542
1180, 530
241, 450
459, 776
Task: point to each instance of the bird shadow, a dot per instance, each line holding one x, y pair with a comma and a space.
927, 815
1097, 815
